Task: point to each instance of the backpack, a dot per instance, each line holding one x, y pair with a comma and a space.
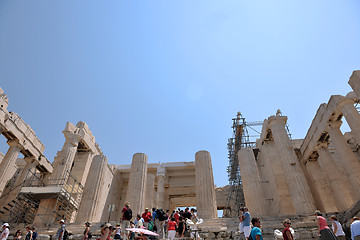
128, 214
161, 214
66, 235
89, 235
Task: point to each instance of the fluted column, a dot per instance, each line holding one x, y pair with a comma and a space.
301, 196
253, 192
205, 189
150, 191
8, 161
346, 156
65, 158
137, 183
96, 191
352, 117
338, 184
281, 203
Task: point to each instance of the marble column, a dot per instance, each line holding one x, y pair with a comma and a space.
324, 197
354, 82
96, 191
337, 182
352, 117
281, 203
161, 191
28, 171
300, 193
205, 188
65, 158
346, 156
150, 191
253, 192
8, 162
82, 163
137, 183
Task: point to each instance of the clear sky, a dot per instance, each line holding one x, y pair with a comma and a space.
166, 77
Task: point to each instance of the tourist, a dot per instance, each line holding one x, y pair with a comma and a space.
324, 231
111, 231
86, 231
337, 228
139, 222
158, 219
18, 235
125, 222
132, 234
246, 222
355, 228
5, 232
241, 226
193, 215
35, 235
186, 214
176, 216
181, 227
29, 233
287, 235
117, 231
256, 231
61, 230
171, 228
147, 217
104, 231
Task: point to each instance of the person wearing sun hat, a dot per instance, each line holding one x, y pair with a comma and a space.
5, 233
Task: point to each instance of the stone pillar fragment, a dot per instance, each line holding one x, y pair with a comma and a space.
253, 192
137, 183
338, 183
354, 82
301, 196
96, 191
205, 189
150, 191
8, 162
346, 156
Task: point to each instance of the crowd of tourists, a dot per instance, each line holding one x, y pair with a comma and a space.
30, 234
163, 223
248, 232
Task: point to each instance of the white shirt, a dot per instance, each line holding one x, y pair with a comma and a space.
339, 231
4, 234
355, 229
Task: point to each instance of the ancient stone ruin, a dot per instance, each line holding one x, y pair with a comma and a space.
281, 177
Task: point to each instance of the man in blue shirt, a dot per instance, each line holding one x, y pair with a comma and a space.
256, 231
355, 228
246, 222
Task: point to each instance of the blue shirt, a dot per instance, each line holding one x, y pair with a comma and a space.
355, 229
247, 219
256, 231
155, 216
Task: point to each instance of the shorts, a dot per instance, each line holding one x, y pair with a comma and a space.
247, 230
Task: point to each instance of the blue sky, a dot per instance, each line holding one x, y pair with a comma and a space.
166, 77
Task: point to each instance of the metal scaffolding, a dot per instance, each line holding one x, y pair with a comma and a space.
240, 139
65, 192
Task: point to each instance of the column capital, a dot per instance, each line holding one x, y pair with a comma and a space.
277, 119
161, 170
71, 138
14, 143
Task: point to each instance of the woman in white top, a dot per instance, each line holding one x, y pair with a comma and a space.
337, 228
